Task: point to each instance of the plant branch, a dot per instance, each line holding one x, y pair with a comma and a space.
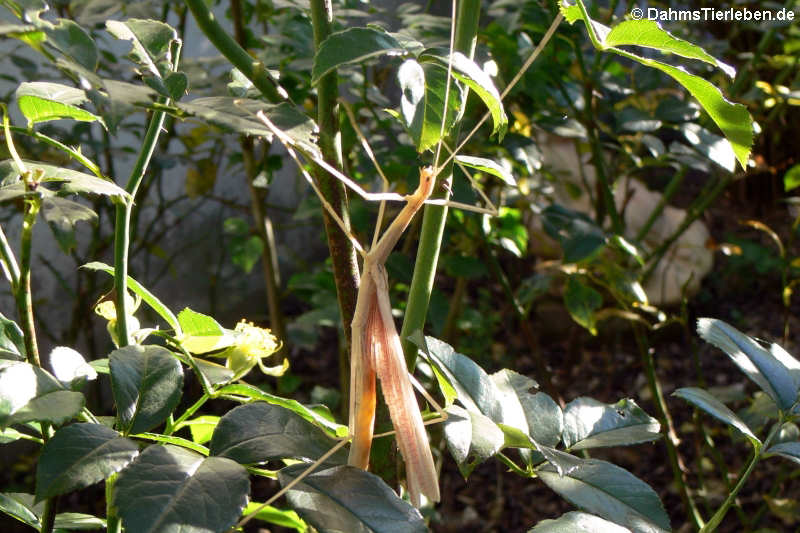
435, 216
670, 437
124, 211
748, 469
253, 69
345, 266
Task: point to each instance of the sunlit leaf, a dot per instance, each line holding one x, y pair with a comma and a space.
469, 73
578, 522
29, 393
144, 294
352, 45
611, 492
733, 119
774, 377
589, 423
488, 166
707, 402
42, 101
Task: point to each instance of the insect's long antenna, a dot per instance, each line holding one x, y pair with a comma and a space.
287, 144
528, 62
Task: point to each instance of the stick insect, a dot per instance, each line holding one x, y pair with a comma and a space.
376, 345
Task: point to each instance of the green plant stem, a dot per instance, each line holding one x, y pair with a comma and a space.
343, 255
670, 438
253, 69
269, 253
694, 212
605, 197
670, 190
74, 154
512, 465
435, 216
113, 522
176, 424
49, 514
748, 469
23, 294
122, 225
124, 211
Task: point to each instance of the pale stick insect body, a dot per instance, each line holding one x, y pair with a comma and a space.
376, 344
376, 349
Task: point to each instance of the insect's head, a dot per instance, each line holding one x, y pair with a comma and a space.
427, 179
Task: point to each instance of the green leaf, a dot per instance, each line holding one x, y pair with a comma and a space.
344, 498
239, 115
545, 418
80, 455
258, 432
201, 333
279, 517
248, 391
578, 522
788, 450
704, 400
791, 180
43, 101
176, 441
422, 103
470, 74
579, 235
29, 393
780, 378
10, 435
589, 423
475, 389
582, 301
73, 182
489, 167
215, 373
20, 506
611, 492
174, 490
79, 521
649, 34
176, 84
63, 214
70, 368
147, 382
352, 45
733, 119
471, 438
12, 343
201, 427
74, 42
150, 40
144, 294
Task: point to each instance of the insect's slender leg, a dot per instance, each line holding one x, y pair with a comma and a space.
316, 158
313, 466
438, 408
371, 155
287, 144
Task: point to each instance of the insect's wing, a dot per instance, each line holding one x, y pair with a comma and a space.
399, 394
